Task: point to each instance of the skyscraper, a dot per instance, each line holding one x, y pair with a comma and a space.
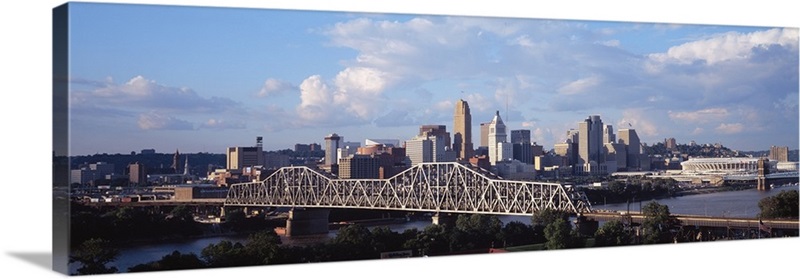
608, 134
332, 143
497, 134
632, 147
462, 130
137, 174
522, 149
435, 131
485, 134
590, 140
521, 136
779, 153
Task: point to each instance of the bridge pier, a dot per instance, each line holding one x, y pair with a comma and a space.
307, 222
763, 171
443, 218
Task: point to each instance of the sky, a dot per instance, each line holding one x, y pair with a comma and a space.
203, 79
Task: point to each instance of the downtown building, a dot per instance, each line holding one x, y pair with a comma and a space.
431, 145
499, 147
239, 157
462, 131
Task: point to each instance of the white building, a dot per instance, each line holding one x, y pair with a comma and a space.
497, 134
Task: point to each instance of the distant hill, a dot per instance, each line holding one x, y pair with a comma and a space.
711, 150
199, 163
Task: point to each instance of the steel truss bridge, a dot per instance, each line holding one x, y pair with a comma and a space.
429, 187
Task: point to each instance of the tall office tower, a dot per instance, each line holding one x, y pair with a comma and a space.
485, 134
572, 136
779, 153
137, 174
670, 144
332, 143
521, 145
520, 136
632, 147
590, 137
462, 131
497, 134
608, 134
242, 157
616, 152
435, 131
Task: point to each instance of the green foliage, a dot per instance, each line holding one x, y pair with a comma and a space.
558, 234
612, 233
782, 205
386, 240
517, 233
173, 261
354, 242
657, 221
476, 231
225, 254
262, 247
547, 216
541, 219
93, 255
431, 241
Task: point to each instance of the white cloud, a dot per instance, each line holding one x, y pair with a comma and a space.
315, 100
697, 131
638, 119
142, 93
610, 43
219, 124
160, 121
728, 46
580, 86
700, 116
275, 86
732, 128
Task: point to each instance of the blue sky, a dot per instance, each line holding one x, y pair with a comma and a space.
202, 79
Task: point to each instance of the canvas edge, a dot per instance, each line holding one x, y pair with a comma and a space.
60, 152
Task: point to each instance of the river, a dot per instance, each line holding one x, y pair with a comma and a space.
742, 203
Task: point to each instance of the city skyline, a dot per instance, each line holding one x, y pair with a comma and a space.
179, 82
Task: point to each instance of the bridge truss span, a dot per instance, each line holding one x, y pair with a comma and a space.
430, 187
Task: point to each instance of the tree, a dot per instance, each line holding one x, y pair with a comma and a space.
476, 231
542, 218
356, 243
93, 255
225, 254
384, 239
657, 220
612, 233
782, 205
262, 247
173, 261
517, 233
558, 235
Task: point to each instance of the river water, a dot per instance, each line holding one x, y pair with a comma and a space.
731, 204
